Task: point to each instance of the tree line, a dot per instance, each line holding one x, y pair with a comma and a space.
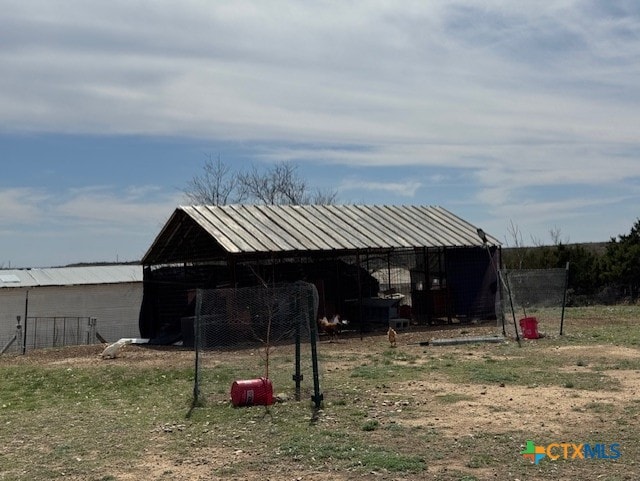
607, 272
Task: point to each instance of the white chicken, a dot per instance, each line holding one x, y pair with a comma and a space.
112, 350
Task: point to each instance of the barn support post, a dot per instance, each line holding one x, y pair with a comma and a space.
231, 264
448, 297
427, 301
564, 296
389, 269
360, 310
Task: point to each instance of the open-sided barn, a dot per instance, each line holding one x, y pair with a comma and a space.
369, 263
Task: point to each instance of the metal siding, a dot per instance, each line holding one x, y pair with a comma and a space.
445, 234
417, 218
379, 221
334, 228
301, 227
68, 276
115, 306
221, 227
273, 236
361, 238
418, 236
259, 240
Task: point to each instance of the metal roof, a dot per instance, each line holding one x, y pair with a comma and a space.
202, 232
70, 276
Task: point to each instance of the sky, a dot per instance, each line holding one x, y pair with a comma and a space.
516, 116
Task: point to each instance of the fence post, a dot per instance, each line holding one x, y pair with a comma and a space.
297, 377
564, 297
313, 325
196, 342
91, 331
24, 332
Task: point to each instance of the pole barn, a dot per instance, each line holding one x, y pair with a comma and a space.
373, 265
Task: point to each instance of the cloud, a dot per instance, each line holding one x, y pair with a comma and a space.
87, 207
401, 189
517, 95
22, 205
355, 73
90, 224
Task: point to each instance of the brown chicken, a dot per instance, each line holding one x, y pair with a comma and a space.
392, 334
331, 328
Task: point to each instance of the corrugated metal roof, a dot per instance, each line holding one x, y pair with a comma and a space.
238, 229
70, 276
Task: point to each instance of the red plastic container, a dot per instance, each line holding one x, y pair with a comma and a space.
252, 392
529, 327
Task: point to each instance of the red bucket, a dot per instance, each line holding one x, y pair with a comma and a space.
529, 327
252, 392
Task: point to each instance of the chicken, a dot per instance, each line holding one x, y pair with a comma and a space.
332, 327
392, 334
112, 350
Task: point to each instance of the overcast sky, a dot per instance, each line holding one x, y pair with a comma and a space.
503, 112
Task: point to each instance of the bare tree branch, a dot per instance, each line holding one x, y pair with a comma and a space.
217, 185
281, 184
556, 236
277, 185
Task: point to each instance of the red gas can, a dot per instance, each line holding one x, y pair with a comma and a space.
529, 327
252, 392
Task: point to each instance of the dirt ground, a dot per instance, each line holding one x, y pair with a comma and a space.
550, 411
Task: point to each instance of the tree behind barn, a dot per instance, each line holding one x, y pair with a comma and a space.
279, 184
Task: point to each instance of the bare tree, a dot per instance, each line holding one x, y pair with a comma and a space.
320, 197
281, 184
217, 185
556, 236
516, 237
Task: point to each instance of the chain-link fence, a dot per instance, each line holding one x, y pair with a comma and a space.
534, 293
252, 333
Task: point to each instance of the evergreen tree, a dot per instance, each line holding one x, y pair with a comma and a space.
622, 261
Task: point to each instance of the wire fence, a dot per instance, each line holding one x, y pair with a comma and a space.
538, 294
47, 332
255, 333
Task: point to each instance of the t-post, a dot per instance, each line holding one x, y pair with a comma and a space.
485, 243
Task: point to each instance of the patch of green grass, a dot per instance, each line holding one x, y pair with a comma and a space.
399, 355
370, 425
387, 370
633, 408
480, 460
382, 459
599, 407
452, 398
618, 364
525, 366
349, 451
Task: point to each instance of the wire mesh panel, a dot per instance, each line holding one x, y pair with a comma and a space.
42, 332
534, 293
256, 332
